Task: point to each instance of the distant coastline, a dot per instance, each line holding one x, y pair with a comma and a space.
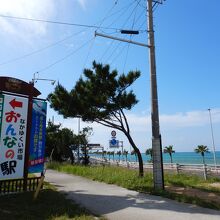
178, 157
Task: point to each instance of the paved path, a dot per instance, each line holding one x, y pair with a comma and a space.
117, 203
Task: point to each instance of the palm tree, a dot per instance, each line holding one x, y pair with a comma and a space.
126, 154
134, 153
202, 149
113, 155
104, 152
149, 151
170, 151
119, 154
109, 154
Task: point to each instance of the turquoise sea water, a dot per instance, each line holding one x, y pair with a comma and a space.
178, 157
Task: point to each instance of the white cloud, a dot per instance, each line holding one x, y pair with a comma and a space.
189, 119
39, 9
82, 3
183, 130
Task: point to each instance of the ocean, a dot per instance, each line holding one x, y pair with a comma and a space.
178, 157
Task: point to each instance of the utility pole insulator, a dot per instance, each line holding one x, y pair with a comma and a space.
129, 32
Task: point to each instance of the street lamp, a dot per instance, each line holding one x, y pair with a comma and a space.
35, 79
213, 142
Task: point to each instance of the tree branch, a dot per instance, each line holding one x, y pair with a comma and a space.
125, 119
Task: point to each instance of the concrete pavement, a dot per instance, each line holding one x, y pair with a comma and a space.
117, 203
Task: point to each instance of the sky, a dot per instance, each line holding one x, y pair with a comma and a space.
187, 37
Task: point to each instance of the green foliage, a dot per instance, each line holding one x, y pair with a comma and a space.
202, 149
125, 152
21, 206
149, 151
192, 181
129, 179
108, 174
59, 140
170, 151
100, 96
183, 180
97, 96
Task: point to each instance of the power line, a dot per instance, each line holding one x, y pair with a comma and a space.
117, 55
101, 22
93, 41
64, 58
58, 22
41, 49
133, 11
53, 44
118, 44
123, 12
126, 56
139, 3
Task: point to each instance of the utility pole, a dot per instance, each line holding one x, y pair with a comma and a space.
213, 142
156, 137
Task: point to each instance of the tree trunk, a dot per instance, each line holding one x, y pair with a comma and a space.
203, 159
71, 157
171, 158
137, 151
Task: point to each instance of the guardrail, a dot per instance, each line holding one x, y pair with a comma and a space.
203, 170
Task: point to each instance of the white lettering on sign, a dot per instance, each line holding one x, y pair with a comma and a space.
13, 124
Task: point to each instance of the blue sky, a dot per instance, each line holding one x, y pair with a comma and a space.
187, 37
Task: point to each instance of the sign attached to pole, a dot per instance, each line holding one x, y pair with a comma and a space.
113, 143
38, 133
113, 133
13, 125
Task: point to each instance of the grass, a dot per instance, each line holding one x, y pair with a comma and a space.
112, 175
49, 205
192, 181
129, 179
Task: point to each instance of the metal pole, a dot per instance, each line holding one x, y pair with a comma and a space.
213, 143
78, 139
28, 135
156, 137
120, 39
122, 153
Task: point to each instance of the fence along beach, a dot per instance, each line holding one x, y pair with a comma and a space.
186, 162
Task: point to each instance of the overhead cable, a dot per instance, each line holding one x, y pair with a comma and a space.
59, 22
41, 49
65, 57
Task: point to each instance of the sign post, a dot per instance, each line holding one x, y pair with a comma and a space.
29, 119
113, 143
19, 134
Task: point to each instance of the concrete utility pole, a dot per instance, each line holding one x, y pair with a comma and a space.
156, 137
